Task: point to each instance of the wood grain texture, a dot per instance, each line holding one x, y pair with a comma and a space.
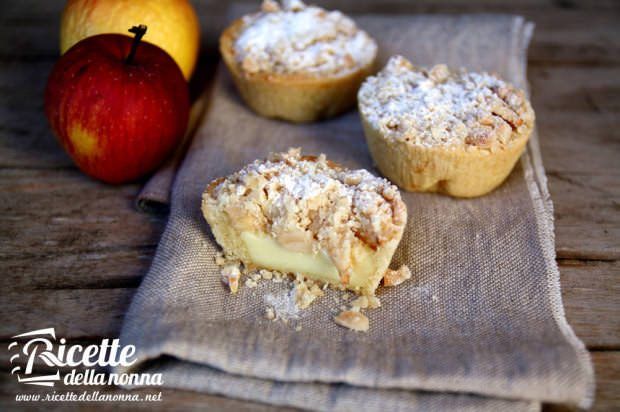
72, 251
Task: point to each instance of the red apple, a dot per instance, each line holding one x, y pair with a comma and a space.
118, 106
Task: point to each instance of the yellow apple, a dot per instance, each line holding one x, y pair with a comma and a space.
172, 25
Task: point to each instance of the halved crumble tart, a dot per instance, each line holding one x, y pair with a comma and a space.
307, 215
441, 130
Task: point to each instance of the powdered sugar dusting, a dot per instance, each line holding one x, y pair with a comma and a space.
295, 38
439, 107
283, 304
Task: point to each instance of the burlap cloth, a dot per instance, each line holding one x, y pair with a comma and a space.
479, 327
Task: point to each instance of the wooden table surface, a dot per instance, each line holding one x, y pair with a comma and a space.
73, 251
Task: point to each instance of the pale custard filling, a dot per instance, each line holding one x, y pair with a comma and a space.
266, 252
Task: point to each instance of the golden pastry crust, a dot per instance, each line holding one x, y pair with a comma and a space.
292, 96
465, 148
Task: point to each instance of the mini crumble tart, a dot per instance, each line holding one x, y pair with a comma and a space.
306, 215
437, 130
296, 62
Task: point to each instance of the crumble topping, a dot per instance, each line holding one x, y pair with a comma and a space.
310, 205
294, 38
396, 277
439, 107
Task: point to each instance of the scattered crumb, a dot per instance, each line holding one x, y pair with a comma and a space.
316, 290
396, 277
230, 276
270, 313
270, 6
305, 291
374, 302
304, 296
352, 320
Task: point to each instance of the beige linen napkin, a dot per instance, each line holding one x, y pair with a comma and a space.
479, 327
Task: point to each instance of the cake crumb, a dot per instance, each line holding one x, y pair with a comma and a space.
251, 283
277, 277
352, 320
270, 313
304, 296
270, 6
373, 302
266, 274
298, 328
396, 277
230, 276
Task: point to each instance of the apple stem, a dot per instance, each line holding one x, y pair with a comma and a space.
139, 32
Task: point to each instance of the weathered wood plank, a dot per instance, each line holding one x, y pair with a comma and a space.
570, 140
607, 371
591, 296
576, 89
46, 213
107, 269
587, 222
75, 313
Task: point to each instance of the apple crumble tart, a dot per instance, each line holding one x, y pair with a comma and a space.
437, 130
308, 216
297, 62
